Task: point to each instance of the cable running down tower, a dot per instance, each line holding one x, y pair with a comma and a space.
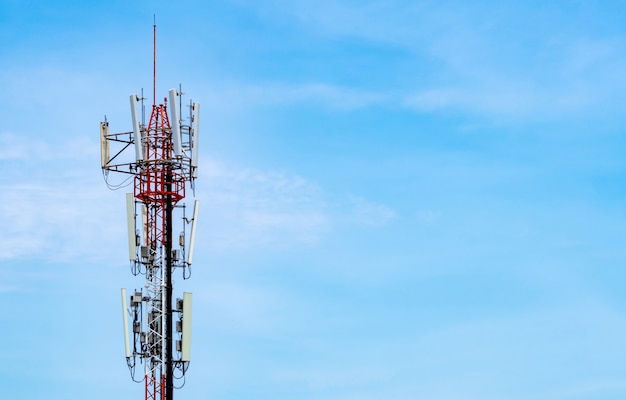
161, 158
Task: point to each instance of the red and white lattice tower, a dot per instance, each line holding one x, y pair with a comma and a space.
162, 165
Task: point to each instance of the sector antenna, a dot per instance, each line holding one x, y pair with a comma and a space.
159, 160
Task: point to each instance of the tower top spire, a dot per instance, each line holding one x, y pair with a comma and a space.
163, 164
154, 37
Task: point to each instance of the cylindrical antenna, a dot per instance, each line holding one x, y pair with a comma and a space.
180, 97
143, 110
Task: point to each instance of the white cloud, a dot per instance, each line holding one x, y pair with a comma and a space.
392, 21
365, 212
55, 206
33, 150
336, 96
59, 208
501, 100
54, 221
327, 95
247, 208
477, 59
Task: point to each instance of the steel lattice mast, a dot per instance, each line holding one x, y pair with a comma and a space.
164, 163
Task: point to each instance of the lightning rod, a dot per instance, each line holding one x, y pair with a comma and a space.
160, 159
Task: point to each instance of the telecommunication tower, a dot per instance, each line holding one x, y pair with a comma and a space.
161, 159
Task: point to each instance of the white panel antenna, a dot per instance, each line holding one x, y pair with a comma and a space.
194, 142
130, 217
139, 156
192, 238
186, 339
163, 165
126, 337
175, 121
105, 153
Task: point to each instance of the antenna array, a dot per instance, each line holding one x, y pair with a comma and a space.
161, 158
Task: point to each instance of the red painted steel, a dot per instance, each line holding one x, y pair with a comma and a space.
152, 185
155, 185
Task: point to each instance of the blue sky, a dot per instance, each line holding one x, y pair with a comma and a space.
400, 199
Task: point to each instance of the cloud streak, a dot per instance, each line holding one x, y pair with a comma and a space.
66, 212
275, 94
478, 63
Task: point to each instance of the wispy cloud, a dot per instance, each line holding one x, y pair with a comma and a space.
498, 101
366, 212
272, 94
479, 59
59, 207
249, 207
56, 206
50, 220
